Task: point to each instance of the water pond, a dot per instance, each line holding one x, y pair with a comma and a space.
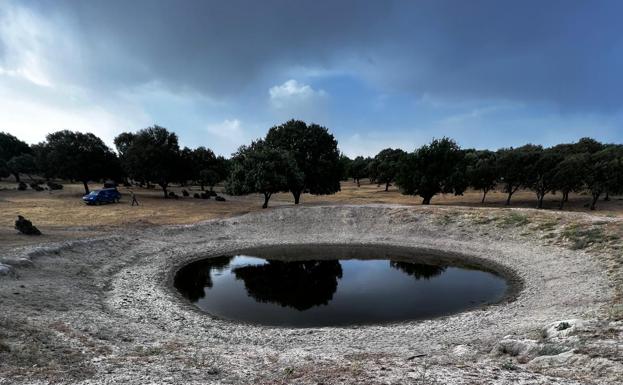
311, 286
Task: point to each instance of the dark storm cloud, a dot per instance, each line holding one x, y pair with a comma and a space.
568, 53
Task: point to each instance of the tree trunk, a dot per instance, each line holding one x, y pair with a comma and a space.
86, 186
539, 201
16, 175
358, 184
595, 199
508, 200
607, 197
297, 196
426, 200
164, 190
484, 195
387, 186
266, 198
565, 199
202, 187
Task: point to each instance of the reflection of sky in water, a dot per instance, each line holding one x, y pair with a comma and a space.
369, 291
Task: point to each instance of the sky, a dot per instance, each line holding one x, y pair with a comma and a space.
377, 74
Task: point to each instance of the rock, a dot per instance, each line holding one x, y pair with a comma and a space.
197, 196
518, 348
561, 329
185, 193
55, 186
463, 351
219, 198
22, 186
543, 362
5, 269
25, 226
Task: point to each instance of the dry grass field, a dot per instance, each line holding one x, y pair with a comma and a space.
62, 214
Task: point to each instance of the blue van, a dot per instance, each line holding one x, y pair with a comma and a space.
97, 197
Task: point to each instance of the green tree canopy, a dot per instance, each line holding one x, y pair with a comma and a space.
482, 172
79, 156
22, 164
515, 167
315, 152
151, 155
435, 168
386, 165
264, 169
11, 147
359, 169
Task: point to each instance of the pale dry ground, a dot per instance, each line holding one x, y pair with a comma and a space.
103, 310
62, 215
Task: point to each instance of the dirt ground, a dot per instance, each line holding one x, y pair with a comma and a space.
62, 215
91, 301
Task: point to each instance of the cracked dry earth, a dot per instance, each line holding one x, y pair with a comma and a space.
103, 311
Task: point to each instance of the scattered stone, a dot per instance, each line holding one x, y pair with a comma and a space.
561, 329
518, 348
55, 186
173, 195
219, 198
25, 226
36, 187
5, 269
463, 351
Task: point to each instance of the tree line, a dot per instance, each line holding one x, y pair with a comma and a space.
146, 157
298, 158
443, 167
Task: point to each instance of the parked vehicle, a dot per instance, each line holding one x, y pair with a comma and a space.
97, 197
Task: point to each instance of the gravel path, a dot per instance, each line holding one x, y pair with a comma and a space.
103, 310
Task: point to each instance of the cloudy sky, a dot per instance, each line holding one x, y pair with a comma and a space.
376, 73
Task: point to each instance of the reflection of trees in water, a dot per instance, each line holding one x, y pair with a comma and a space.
418, 270
297, 284
192, 279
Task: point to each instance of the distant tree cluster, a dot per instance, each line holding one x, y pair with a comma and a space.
443, 167
153, 155
298, 158
294, 157
149, 156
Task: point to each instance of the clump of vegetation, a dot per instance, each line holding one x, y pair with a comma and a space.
563, 326
551, 350
509, 365
580, 237
514, 219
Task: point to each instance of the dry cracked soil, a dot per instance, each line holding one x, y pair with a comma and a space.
103, 310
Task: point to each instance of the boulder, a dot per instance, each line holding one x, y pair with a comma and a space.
5, 269
55, 186
522, 348
25, 226
561, 329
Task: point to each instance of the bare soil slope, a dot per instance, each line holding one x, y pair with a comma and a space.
103, 310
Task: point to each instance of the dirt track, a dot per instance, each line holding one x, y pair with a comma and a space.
103, 311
